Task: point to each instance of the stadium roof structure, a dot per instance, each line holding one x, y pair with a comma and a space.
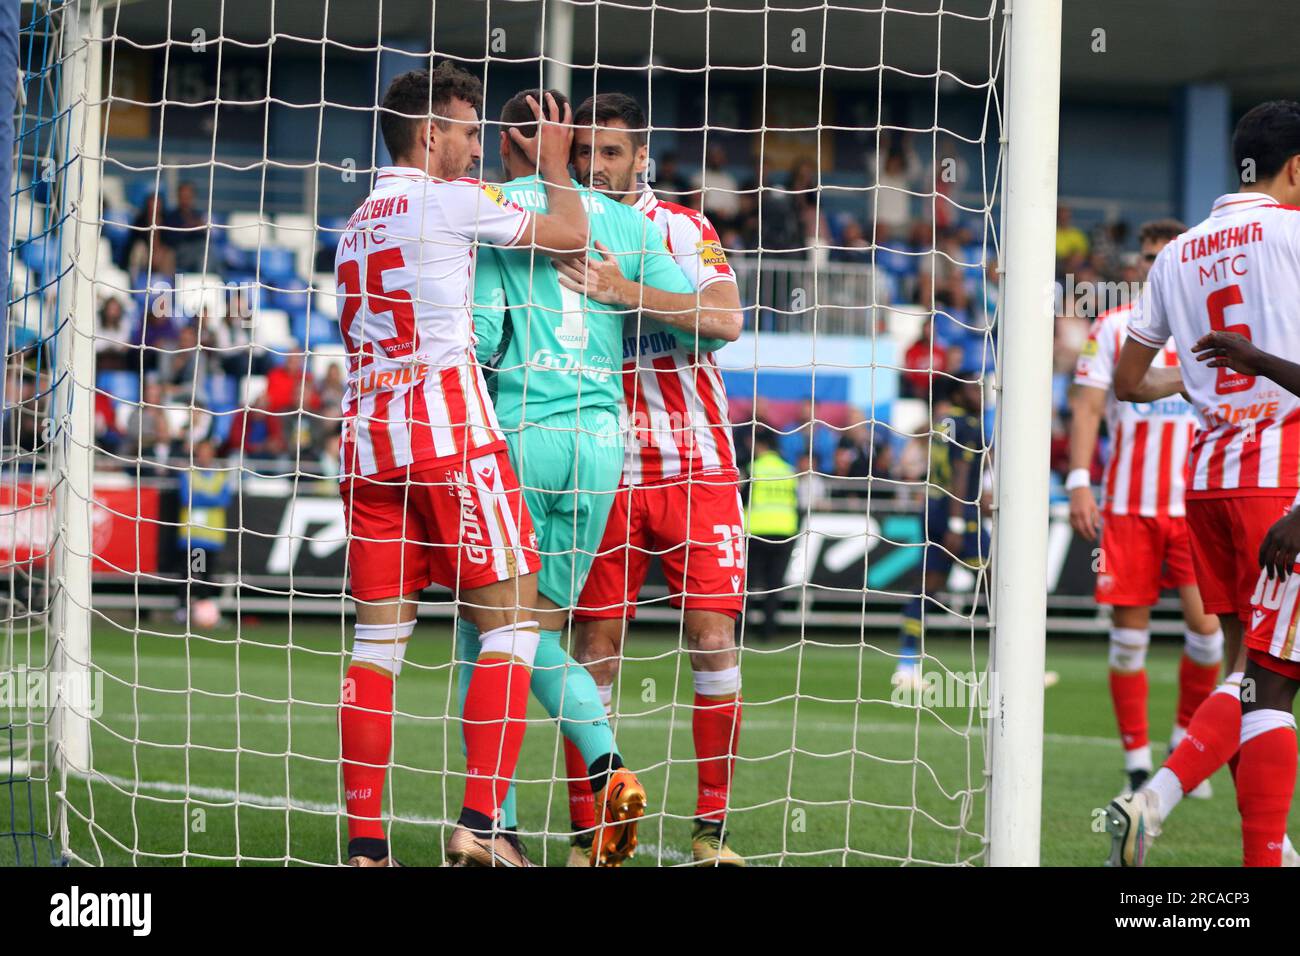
1147, 50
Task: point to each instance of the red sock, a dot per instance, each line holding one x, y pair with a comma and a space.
366, 730
1195, 683
582, 802
1128, 692
498, 689
1212, 739
1265, 782
716, 728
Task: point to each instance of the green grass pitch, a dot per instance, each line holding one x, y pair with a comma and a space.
206, 762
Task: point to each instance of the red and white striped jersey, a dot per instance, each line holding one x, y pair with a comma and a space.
1238, 271
1275, 612
1149, 440
404, 269
676, 403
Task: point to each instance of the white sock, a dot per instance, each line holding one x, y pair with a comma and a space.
1139, 758
1262, 721
1204, 649
1168, 790
606, 692
723, 683
382, 645
1177, 736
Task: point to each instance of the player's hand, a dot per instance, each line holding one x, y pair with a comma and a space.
1229, 350
550, 146
595, 276
1085, 516
1278, 551
954, 542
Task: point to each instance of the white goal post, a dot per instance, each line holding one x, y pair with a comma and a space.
1023, 432
1026, 125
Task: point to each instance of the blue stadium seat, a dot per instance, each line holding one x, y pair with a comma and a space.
122, 386
314, 329
277, 264
223, 393
40, 254
138, 190
291, 294
115, 229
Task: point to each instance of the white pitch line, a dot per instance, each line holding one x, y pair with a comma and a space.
313, 806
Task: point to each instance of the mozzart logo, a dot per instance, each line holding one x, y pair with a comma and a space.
77, 909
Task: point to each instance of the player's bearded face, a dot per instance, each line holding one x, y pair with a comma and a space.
605, 161
456, 148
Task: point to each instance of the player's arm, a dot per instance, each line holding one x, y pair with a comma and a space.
1234, 351
713, 314
489, 305
1137, 381
1087, 406
561, 232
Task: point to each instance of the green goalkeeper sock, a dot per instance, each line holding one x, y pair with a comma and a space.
467, 651
569, 694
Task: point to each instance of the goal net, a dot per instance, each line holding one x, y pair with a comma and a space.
177, 617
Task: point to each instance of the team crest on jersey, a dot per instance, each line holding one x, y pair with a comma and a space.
711, 253
495, 194
1090, 348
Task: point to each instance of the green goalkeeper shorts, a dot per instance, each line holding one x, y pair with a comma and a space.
569, 468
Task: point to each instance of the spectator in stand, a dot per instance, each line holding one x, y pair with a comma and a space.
332, 387
114, 343
148, 434
160, 332
232, 340
25, 410
812, 442
107, 436
189, 231
803, 188
328, 461
292, 405
1071, 242
853, 245
772, 521
859, 458
205, 490
184, 370
150, 249
949, 176
894, 189
927, 355
720, 200
780, 234
668, 180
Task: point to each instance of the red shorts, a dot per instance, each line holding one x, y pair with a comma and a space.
1271, 630
1142, 556
458, 523
695, 527
1226, 534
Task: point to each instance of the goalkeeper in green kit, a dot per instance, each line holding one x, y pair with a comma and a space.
558, 395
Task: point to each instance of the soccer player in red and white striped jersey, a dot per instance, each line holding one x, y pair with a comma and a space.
1237, 271
1144, 543
679, 497
1266, 764
429, 494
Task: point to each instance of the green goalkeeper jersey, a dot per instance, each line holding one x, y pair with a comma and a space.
556, 350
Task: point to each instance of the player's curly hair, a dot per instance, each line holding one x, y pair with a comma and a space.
604, 107
418, 95
1265, 138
